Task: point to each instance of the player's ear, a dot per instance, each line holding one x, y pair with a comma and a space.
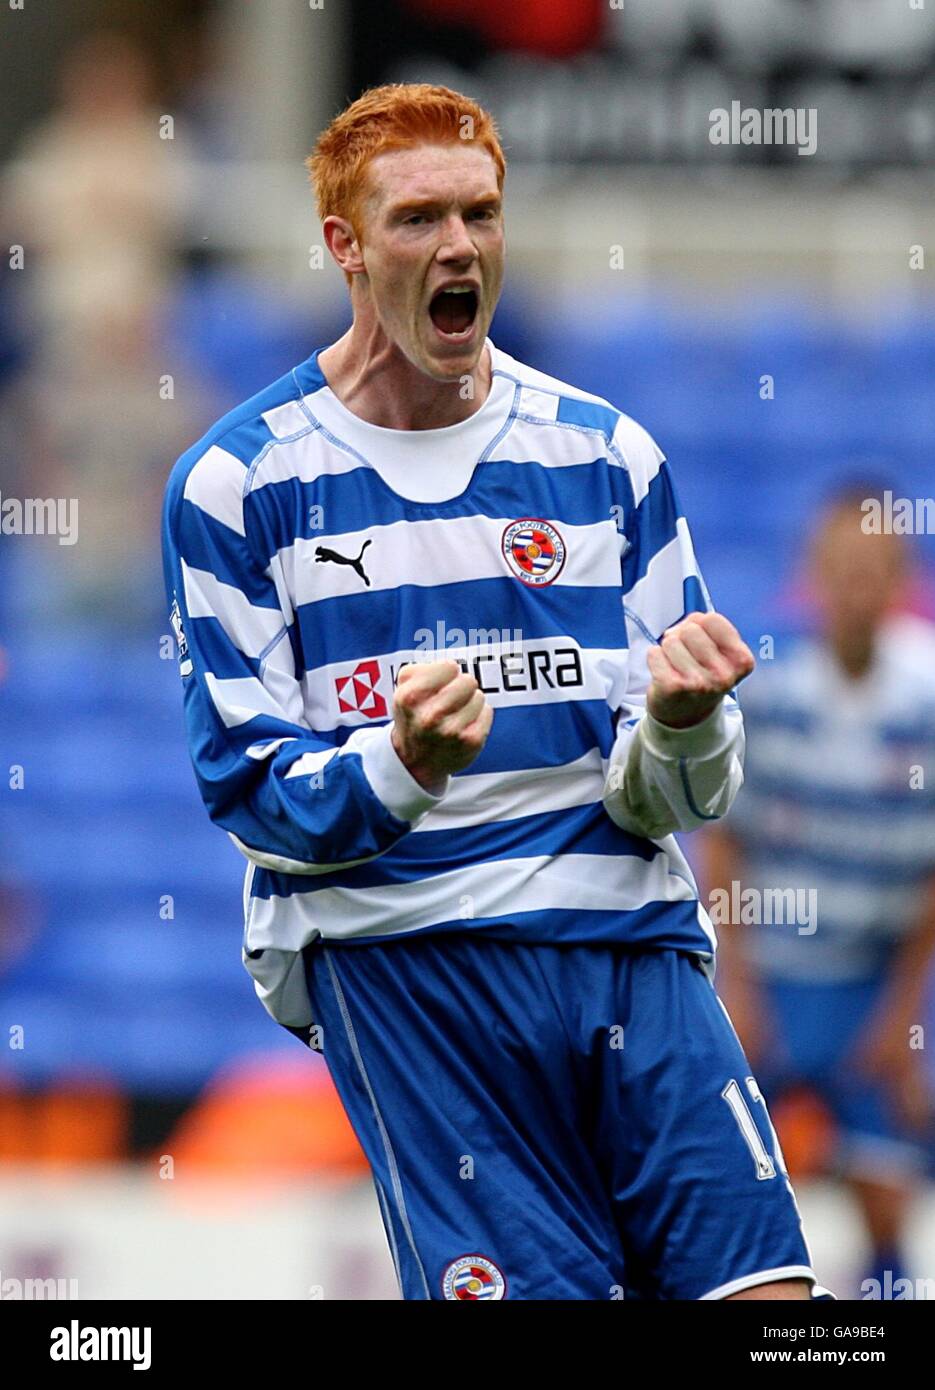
343, 244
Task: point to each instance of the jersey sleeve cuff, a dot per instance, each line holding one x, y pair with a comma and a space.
394, 784
703, 740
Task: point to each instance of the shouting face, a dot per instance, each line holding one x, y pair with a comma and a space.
432, 248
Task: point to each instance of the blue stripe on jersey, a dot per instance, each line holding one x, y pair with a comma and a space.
588, 415
308, 376
349, 822
260, 729
663, 925
220, 656
578, 830
340, 629
579, 494
515, 740
246, 440
650, 527
693, 599
207, 544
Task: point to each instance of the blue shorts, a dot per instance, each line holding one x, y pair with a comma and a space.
554, 1121
817, 1026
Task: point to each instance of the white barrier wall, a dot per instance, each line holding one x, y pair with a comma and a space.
125, 1233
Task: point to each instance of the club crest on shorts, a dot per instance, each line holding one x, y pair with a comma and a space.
472, 1277
534, 550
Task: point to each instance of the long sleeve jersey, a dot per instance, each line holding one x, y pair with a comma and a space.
309, 555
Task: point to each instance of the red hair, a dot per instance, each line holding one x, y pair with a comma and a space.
392, 117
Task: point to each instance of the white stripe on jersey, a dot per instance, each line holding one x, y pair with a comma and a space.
583, 881
249, 627
215, 485
656, 596
600, 676
471, 546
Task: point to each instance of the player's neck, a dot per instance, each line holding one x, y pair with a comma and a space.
374, 380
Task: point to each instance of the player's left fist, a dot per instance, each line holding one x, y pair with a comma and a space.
696, 663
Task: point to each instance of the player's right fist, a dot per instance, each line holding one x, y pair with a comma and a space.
441, 719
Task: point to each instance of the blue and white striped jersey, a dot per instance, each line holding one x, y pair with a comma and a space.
839, 803
310, 554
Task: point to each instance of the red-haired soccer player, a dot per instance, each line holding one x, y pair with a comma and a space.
452, 679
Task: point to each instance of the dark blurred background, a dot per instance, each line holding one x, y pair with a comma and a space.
767, 315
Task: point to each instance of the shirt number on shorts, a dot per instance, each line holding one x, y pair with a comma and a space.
733, 1095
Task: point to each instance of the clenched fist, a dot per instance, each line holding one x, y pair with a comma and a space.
694, 666
441, 719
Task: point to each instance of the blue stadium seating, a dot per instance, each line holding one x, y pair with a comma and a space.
118, 981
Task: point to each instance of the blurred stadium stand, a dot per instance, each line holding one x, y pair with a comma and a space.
107, 824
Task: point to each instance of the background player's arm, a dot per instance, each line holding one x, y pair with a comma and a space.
660, 777
290, 800
721, 865
885, 1048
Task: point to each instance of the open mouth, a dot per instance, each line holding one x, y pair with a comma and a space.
453, 311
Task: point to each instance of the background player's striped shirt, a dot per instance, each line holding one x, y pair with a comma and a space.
831, 803
310, 554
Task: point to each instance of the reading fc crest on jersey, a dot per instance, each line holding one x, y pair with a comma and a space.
534, 550
472, 1277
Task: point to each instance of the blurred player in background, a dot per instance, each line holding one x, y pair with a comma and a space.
839, 805
485, 924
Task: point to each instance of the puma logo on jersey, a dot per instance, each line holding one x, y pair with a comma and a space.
323, 554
